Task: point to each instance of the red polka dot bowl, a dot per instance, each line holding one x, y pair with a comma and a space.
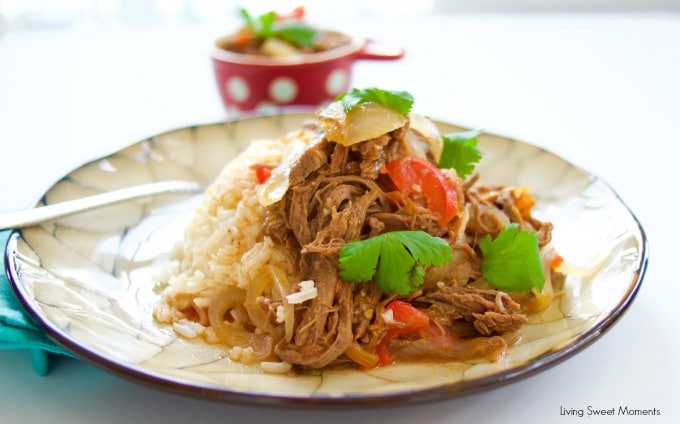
251, 83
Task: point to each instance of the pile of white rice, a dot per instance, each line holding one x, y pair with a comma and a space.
224, 244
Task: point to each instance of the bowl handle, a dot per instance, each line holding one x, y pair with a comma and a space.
374, 50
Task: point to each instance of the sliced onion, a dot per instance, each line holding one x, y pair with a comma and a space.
283, 286
233, 334
543, 298
425, 127
363, 122
273, 190
415, 145
255, 289
220, 304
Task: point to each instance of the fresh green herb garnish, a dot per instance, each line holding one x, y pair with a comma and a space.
459, 151
265, 26
296, 33
400, 101
512, 260
394, 261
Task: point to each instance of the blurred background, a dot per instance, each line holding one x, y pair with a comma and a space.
37, 14
120, 70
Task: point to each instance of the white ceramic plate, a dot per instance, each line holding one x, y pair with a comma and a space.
87, 279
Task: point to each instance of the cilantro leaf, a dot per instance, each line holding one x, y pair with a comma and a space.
394, 261
512, 260
400, 101
260, 25
459, 151
295, 33
265, 26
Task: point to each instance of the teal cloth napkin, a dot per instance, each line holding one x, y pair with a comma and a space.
18, 330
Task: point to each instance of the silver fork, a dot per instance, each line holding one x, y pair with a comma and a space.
29, 217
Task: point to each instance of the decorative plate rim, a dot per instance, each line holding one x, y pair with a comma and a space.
440, 392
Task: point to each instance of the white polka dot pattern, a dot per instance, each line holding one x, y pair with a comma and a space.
283, 89
238, 89
336, 82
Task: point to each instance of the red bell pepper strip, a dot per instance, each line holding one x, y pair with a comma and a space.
262, 173
408, 320
411, 175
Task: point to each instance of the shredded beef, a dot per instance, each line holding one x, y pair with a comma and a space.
324, 329
338, 194
488, 311
368, 327
493, 207
334, 198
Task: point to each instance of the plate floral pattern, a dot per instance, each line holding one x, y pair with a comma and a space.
88, 278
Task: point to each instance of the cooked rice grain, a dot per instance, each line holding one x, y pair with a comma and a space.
223, 245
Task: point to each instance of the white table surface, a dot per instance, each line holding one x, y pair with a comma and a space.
601, 90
